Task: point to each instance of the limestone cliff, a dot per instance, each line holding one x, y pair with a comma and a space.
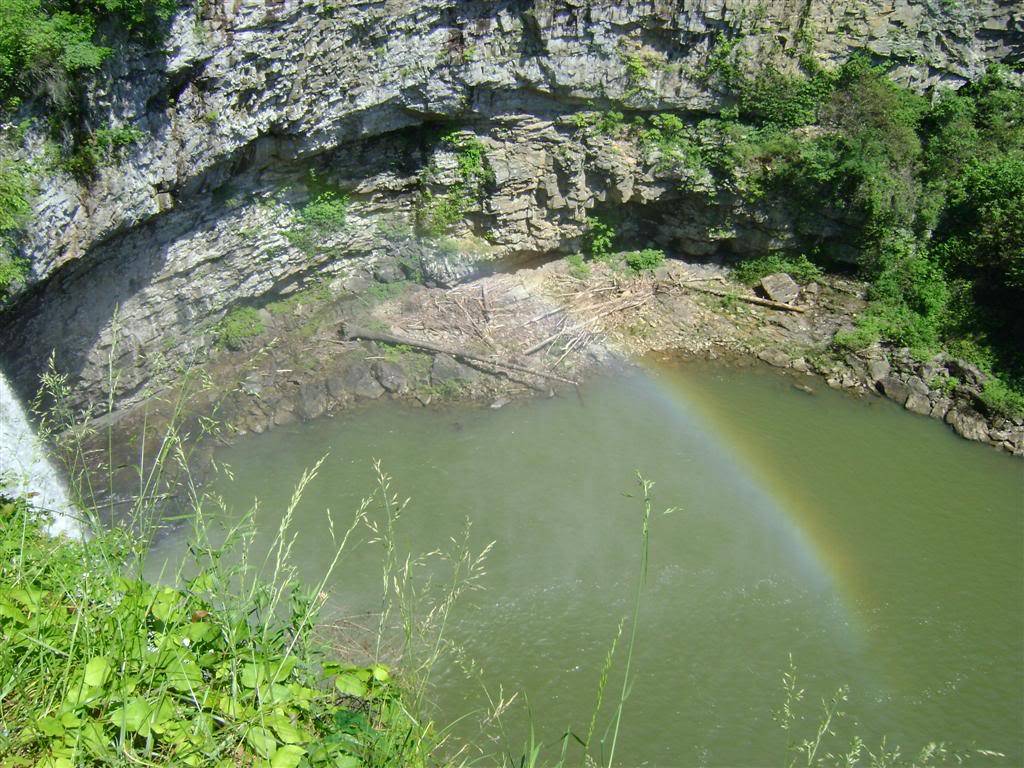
248, 98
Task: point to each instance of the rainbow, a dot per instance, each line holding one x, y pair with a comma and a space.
816, 546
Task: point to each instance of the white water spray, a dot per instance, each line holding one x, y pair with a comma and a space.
25, 468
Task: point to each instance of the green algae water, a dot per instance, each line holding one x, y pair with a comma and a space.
874, 546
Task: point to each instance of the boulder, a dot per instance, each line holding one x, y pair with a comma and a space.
391, 376
336, 386
252, 384
775, 357
447, 368
967, 422
283, 413
917, 403
917, 385
878, 369
359, 380
894, 389
780, 287
388, 271
312, 400
940, 408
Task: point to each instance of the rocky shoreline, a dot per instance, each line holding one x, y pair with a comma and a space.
943, 388
535, 332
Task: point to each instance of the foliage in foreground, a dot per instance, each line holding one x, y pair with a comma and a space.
99, 665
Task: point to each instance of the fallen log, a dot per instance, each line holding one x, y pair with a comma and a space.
749, 299
353, 333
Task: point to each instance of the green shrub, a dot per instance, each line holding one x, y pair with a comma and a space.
607, 123
982, 234
674, 145
38, 42
1002, 399
44, 46
237, 327
646, 260
789, 101
577, 267
326, 213
800, 268
471, 156
599, 238
437, 213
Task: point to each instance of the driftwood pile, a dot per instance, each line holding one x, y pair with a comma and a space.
483, 323
586, 310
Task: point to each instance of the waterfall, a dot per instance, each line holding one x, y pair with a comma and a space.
25, 468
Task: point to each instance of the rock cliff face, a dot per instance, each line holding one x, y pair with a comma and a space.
248, 98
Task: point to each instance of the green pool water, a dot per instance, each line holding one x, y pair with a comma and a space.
877, 548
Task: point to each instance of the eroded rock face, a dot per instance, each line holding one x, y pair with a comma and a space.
252, 97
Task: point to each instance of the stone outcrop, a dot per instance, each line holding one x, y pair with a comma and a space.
943, 387
252, 105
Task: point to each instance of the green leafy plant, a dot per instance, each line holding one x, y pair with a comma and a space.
43, 44
315, 295
599, 238
577, 267
646, 260
327, 212
1002, 399
605, 123
383, 291
16, 190
105, 663
438, 213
